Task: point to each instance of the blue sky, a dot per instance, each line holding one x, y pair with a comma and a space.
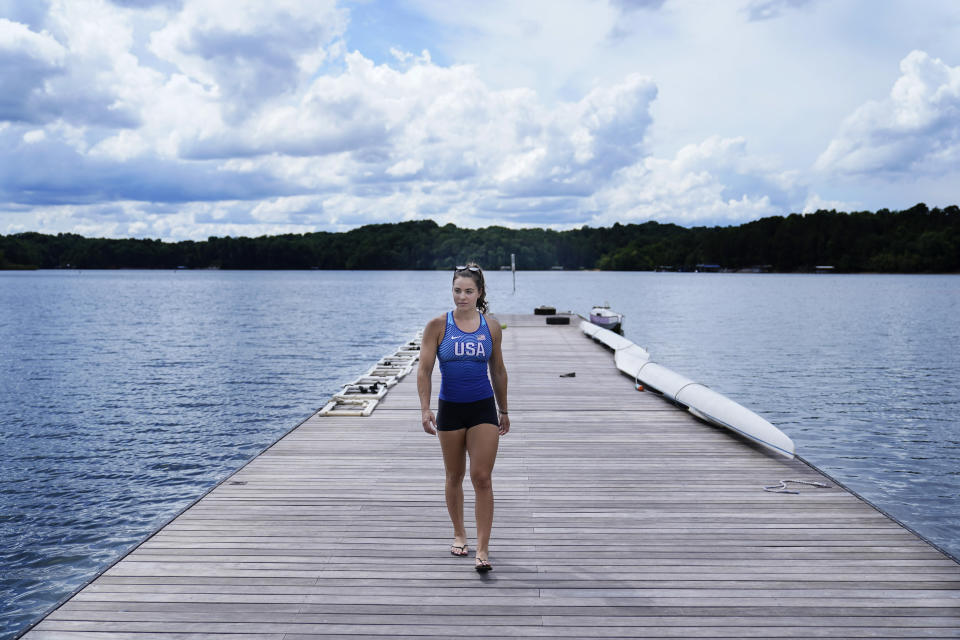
183, 119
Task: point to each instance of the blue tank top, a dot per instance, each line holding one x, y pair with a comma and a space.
463, 362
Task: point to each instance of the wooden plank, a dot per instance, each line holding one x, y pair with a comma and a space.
617, 515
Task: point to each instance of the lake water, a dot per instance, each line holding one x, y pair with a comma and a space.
126, 395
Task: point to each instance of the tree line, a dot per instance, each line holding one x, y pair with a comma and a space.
915, 240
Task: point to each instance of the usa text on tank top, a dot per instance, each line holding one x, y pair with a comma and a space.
463, 362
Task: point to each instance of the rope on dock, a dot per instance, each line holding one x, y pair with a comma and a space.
782, 487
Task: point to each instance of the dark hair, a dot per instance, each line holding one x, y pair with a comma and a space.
476, 274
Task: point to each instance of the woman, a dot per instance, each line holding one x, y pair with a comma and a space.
468, 419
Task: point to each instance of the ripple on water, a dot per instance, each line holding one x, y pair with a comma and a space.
124, 396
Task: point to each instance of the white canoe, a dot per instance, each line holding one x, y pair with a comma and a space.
700, 400
627, 356
589, 328
630, 359
605, 336
707, 404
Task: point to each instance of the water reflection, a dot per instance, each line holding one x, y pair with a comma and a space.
125, 395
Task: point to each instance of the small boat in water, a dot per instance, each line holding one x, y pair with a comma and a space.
602, 316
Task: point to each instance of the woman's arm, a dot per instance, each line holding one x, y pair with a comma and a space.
428, 356
498, 374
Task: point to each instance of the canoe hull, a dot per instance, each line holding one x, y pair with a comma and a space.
715, 408
698, 399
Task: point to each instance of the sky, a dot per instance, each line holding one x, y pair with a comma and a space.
185, 119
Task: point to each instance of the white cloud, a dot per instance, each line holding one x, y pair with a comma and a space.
714, 182
27, 60
290, 210
613, 122
428, 141
203, 117
16, 37
634, 5
146, 4
336, 113
31, 14
443, 123
124, 145
406, 168
249, 51
79, 69
52, 171
915, 129
770, 9
816, 203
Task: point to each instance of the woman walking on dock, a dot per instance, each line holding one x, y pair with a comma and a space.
472, 408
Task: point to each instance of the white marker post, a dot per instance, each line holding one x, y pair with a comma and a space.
513, 269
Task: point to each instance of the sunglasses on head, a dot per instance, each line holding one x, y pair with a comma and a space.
464, 267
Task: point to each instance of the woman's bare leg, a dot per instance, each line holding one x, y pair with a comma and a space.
482, 442
453, 445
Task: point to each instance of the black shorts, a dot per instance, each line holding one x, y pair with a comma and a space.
463, 415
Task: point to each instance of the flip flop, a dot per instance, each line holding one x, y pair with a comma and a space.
483, 566
462, 550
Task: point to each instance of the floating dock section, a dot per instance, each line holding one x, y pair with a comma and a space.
617, 515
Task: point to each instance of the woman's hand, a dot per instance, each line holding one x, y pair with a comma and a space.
428, 421
504, 424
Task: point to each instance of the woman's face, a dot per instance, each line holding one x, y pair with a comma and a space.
465, 293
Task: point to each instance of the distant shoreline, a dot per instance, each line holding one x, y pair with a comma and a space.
725, 272
916, 240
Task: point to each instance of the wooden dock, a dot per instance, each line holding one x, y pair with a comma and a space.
617, 515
